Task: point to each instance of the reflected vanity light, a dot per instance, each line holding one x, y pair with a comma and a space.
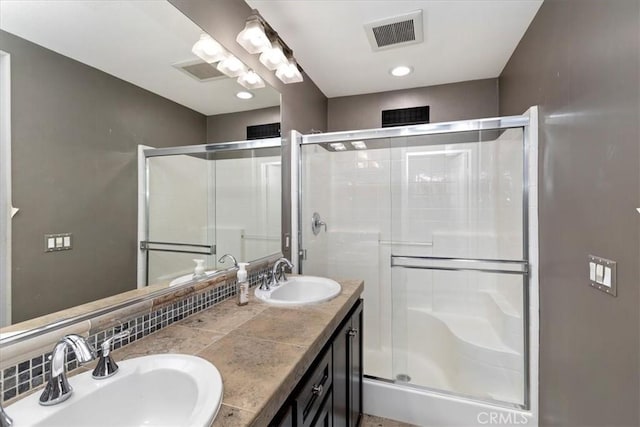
208, 49
244, 95
251, 80
338, 146
231, 66
254, 38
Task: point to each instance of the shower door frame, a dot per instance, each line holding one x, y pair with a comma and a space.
528, 123
144, 245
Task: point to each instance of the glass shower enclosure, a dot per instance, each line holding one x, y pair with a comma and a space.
434, 219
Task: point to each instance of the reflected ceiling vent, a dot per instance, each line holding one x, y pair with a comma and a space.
200, 70
397, 31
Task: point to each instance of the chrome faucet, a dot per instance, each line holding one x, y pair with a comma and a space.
106, 366
231, 257
5, 420
58, 388
277, 273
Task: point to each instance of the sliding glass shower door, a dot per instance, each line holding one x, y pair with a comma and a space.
435, 225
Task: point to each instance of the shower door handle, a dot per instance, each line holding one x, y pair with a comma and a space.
317, 223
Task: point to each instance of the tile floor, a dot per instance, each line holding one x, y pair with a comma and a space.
371, 421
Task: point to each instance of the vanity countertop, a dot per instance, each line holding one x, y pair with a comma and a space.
261, 351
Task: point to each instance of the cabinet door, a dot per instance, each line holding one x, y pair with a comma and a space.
355, 373
284, 420
324, 418
340, 377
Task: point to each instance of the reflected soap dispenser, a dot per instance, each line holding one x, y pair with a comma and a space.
198, 272
243, 284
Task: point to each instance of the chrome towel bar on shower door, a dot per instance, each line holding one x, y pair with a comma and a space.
502, 266
146, 245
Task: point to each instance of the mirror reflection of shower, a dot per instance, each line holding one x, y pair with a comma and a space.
216, 200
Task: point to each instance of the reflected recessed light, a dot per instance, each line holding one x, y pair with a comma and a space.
359, 145
338, 146
401, 71
244, 95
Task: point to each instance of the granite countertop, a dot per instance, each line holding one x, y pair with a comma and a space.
261, 351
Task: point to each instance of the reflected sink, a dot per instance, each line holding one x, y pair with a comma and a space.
157, 390
301, 290
187, 278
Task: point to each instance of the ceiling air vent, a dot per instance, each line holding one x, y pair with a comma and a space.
199, 70
397, 31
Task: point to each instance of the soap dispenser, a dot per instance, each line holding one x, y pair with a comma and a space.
243, 285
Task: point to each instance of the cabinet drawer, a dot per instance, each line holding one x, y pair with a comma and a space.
313, 391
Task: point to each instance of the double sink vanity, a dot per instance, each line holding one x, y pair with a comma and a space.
291, 357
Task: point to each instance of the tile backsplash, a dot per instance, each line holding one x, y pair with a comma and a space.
19, 378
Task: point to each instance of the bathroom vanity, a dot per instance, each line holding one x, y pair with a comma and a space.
330, 393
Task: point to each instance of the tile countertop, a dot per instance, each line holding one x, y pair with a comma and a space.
261, 351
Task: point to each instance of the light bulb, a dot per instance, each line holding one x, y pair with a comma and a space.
253, 38
208, 49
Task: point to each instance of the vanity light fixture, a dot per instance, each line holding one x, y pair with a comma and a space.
251, 80
359, 145
244, 95
273, 57
401, 71
289, 72
208, 49
338, 146
258, 37
231, 66
254, 37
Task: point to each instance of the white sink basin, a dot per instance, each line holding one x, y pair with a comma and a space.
157, 390
301, 290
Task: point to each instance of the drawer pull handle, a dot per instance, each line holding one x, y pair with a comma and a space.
353, 332
317, 390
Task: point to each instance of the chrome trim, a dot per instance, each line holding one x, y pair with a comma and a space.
498, 403
417, 130
211, 148
467, 264
400, 243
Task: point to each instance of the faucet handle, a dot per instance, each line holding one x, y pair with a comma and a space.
106, 366
5, 420
263, 279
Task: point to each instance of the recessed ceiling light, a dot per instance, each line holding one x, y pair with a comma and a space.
338, 146
244, 95
401, 71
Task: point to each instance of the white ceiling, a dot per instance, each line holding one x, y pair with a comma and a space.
463, 40
137, 41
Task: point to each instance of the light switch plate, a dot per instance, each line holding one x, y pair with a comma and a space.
605, 275
58, 242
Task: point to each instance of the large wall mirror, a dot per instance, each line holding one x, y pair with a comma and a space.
92, 82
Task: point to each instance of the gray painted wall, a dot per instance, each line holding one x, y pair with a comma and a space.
579, 61
456, 101
233, 126
75, 136
303, 105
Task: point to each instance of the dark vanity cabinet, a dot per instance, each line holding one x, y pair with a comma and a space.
347, 370
330, 393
